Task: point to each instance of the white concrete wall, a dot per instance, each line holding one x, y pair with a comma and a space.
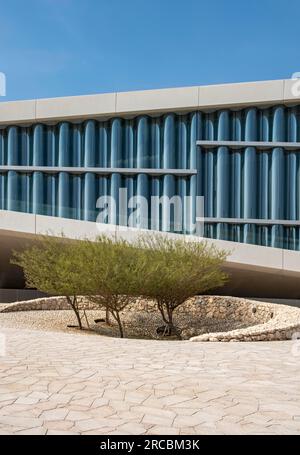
242, 255
151, 101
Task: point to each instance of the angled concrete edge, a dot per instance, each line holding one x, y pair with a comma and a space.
108, 105
241, 255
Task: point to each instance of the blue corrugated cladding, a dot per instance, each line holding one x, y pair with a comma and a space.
242, 183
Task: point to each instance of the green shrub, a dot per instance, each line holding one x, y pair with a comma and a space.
176, 270
55, 266
113, 275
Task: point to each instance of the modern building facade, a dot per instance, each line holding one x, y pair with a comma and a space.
242, 156
237, 145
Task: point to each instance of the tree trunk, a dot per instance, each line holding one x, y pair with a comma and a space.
161, 310
86, 318
73, 305
107, 319
116, 315
173, 329
166, 312
170, 316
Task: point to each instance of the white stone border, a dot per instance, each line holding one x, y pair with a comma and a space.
271, 321
45, 304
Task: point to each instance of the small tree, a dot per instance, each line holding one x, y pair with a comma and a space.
112, 275
177, 270
55, 266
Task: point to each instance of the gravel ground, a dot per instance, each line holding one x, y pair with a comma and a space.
140, 324
56, 321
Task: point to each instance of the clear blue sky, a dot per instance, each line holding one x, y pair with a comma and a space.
70, 47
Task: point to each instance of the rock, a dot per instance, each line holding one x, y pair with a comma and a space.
222, 318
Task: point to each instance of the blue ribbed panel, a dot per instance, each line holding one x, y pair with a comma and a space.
39, 155
291, 174
12, 177
129, 154
77, 182
277, 177
195, 182
182, 185
64, 152
222, 176
142, 161
155, 157
242, 183
264, 180
89, 184
116, 161
52, 153
168, 161
250, 176
236, 177
3, 177
209, 176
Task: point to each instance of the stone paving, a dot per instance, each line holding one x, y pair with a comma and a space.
58, 383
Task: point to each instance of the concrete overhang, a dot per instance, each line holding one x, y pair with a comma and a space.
152, 102
255, 270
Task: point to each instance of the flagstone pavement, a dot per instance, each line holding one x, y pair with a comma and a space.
60, 383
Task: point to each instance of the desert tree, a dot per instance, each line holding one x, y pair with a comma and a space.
178, 269
56, 266
113, 275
